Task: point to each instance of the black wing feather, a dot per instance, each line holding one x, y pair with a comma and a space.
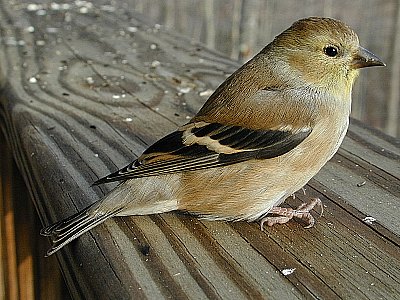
206, 130
245, 144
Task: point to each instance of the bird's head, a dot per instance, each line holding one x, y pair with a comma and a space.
324, 53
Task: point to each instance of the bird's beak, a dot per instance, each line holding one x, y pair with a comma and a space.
364, 58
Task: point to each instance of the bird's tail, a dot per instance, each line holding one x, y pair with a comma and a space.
65, 231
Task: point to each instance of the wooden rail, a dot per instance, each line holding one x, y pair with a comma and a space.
85, 89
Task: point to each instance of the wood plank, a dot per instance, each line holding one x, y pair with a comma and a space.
8, 243
90, 88
26, 274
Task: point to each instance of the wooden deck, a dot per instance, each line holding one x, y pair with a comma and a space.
84, 90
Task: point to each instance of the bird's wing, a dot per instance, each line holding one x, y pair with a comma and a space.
201, 145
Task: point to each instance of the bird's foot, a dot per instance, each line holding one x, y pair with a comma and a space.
285, 214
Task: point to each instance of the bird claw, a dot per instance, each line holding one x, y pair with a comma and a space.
286, 214
294, 194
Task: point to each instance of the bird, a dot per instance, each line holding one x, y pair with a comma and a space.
259, 138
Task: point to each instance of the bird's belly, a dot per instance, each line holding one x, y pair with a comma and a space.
245, 191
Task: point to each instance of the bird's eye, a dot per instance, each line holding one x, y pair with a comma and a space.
331, 51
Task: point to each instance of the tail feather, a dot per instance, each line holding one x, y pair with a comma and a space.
65, 231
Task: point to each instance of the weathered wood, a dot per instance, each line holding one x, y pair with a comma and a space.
9, 265
21, 251
85, 89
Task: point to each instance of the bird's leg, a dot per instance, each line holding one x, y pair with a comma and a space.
286, 214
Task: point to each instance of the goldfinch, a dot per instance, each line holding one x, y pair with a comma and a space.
260, 137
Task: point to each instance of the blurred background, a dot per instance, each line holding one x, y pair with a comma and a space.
241, 28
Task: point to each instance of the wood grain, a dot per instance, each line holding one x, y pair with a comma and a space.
86, 89
25, 273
